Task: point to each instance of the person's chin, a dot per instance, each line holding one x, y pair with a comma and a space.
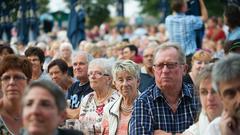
35, 130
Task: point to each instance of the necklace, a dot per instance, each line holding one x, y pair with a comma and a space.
126, 109
103, 99
15, 118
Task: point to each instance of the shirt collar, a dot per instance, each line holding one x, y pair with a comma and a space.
187, 91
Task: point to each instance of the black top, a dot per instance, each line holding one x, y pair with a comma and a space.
187, 79
145, 81
58, 132
77, 92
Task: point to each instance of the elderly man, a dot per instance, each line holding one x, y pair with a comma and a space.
147, 77
226, 76
169, 106
80, 88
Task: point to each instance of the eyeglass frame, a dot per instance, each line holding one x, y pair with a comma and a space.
169, 65
7, 78
97, 74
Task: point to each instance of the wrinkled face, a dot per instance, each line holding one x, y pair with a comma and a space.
66, 53
197, 65
13, 83
148, 57
127, 54
80, 67
230, 95
36, 65
126, 84
210, 100
56, 74
168, 70
40, 113
97, 78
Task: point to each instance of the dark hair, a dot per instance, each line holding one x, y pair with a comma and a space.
53, 89
17, 63
6, 47
132, 48
177, 5
231, 46
60, 63
232, 14
35, 51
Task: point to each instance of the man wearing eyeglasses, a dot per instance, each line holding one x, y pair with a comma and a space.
170, 106
226, 75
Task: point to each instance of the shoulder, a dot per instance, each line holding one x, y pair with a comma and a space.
69, 132
3, 129
213, 128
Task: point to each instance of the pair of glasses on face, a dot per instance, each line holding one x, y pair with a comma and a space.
97, 74
169, 65
7, 78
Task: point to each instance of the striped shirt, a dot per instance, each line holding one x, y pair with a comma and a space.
152, 112
181, 29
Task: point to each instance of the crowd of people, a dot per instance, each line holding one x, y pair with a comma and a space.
153, 80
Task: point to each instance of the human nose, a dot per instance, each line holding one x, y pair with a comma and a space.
165, 68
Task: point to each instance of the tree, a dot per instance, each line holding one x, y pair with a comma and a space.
151, 7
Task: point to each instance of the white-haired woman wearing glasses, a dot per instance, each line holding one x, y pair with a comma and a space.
92, 105
126, 78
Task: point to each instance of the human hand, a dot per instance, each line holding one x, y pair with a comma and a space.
229, 125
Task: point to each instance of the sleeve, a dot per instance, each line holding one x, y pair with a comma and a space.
196, 22
141, 122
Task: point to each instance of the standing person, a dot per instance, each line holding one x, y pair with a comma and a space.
37, 57
210, 101
44, 109
92, 105
226, 76
15, 74
169, 106
182, 27
126, 75
231, 18
80, 88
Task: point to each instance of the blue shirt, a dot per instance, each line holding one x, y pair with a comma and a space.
181, 29
234, 34
152, 112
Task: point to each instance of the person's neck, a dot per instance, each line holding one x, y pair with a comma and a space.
83, 80
103, 93
36, 75
149, 71
13, 108
128, 101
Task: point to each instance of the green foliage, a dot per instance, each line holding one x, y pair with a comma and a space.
150, 7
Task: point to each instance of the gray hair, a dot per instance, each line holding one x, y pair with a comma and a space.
67, 45
167, 45
88, 56
53, 89
204, 74
103, 63
126, 65
226, 69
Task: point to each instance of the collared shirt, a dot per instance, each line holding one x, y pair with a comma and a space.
152, 112
181, 29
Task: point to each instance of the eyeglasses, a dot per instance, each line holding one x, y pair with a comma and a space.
7, 78
170, 65
97, 74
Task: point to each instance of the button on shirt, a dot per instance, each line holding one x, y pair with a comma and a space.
181, 29
152, 112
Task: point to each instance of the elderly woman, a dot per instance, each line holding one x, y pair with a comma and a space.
199, 59
92, 105
210, 101
15, 74
44, 109
126, 75
65, 53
